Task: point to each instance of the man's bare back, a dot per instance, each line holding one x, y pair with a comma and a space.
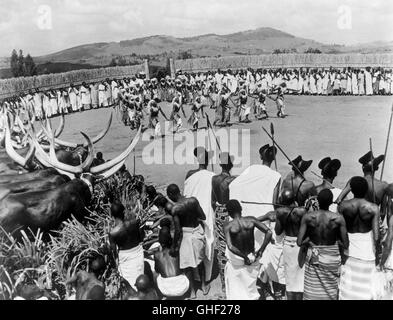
166, 265
288, 220
302, 189
126, 235
323, 228
359, 215
189, 212
242, 234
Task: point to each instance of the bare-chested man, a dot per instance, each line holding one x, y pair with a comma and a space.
127, 236
242, 268
189, 241
220, 197
362, 221
295, 181
87, 284
370, 166
323, 231
288, 221
329, 169
171, 281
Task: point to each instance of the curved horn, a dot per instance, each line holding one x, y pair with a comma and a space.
96, 139
103, 133
107, 174
90, 149
59, 165
120, 158
49, 162
22, 161
60, 129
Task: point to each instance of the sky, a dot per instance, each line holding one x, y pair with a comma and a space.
45, 26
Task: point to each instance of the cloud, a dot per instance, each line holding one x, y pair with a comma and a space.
78, 22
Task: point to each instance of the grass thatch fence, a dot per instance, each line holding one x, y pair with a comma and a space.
16, 86
271, 61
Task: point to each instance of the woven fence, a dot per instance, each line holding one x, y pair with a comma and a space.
16, 86
271, 61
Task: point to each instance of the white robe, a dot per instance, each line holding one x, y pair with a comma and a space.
255, 184
199, 185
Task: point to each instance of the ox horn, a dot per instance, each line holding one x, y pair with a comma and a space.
107, 174
90, 155
57, 164
60, 128
96, 139
22, 161
120, 158
48, 162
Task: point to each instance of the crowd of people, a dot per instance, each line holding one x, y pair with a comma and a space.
239, 93
272, 237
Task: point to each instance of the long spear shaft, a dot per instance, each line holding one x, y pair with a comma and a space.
282, 151
274, 143
266, 204
372, 170
387, 140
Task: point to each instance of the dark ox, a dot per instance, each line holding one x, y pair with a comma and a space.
47, 209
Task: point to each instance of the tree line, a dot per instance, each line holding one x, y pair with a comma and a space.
22, 66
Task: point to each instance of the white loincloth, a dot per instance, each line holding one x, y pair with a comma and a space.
199, 185
273, 261
131, 264
294, 275
174, 286
192, 248
255, 184
240, 279
355, 280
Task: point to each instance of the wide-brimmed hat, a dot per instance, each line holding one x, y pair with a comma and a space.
329, 166
300, 164
368, 160
201, 154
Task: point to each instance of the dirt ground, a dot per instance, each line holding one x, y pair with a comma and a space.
316, 127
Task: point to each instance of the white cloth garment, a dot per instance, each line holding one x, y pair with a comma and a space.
240, 279
199, 186
255, 184
192, 247
174, 286
294, 275
131, 264
361, 246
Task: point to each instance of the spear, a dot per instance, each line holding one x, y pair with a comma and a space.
387, 141
282, 151
266, 204
272, 133
372, 170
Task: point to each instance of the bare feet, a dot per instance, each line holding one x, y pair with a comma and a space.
206, 289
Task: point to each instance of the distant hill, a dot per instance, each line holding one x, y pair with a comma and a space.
159, 47
259, 41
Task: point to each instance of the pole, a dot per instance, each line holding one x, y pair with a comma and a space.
387, 141
372, 170
134, 164
282, 151
266, 204
272, 133
209, 126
